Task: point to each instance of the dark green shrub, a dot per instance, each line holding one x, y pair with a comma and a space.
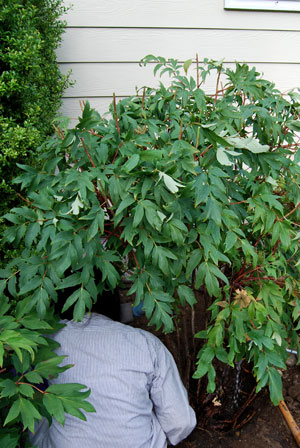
31, 85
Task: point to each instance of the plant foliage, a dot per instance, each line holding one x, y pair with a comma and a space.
27, 361
31, 84
183, 191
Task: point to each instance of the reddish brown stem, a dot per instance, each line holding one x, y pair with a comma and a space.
59, 132
24, 199
235, 203
87, 153
36, 388
82, 104
101, 195
135, 259
180, 130
116, 153
143, 98
243, 274
292, 211
205, 150
255, 245
217, 88
275, 247
112, 233
91, 131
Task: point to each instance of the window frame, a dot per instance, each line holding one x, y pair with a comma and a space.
264, 5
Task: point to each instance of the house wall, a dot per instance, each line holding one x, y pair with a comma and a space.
105, 40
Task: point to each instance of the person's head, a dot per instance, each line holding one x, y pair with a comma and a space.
108, 304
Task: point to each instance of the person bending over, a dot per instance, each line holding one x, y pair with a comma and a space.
136, 389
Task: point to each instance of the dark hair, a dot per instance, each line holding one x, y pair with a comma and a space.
108, 304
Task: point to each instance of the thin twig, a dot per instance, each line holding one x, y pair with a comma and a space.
217, 88
116, 114
240, 202
292, 211
197, 139
205, 150
180, 130
82, 105
136, 260
59, 132
116, 153
24, 199
87, 153
36, 388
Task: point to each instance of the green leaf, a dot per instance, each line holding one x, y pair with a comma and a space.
1, 354
186, 294
125, 204
150, 155
139, 213
34, 323
76, 206
187, 64
70, 281
213, 211
230, 240
211, 284
34, 377
211, 375
217, 272
275, 386
29, 414
297, 156
49, 368
170, 183
26, 390
294, 125
131, 163
34, 283
54, 406
71, 398
222, 157
255, 147
13, 412
31, 233
9, 439
8, 388
93, 229
11, 285
84, 302
149, 304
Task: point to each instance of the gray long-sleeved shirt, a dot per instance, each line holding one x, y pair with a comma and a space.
135, 388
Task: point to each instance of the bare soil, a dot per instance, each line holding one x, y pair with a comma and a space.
266, 428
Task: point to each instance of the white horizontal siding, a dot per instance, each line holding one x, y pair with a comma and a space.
174, 14
126, 45
71, 107
105, 39
102, 80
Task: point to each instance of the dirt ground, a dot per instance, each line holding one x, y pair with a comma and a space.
267, 428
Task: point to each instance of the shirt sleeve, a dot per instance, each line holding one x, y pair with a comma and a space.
170, 399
